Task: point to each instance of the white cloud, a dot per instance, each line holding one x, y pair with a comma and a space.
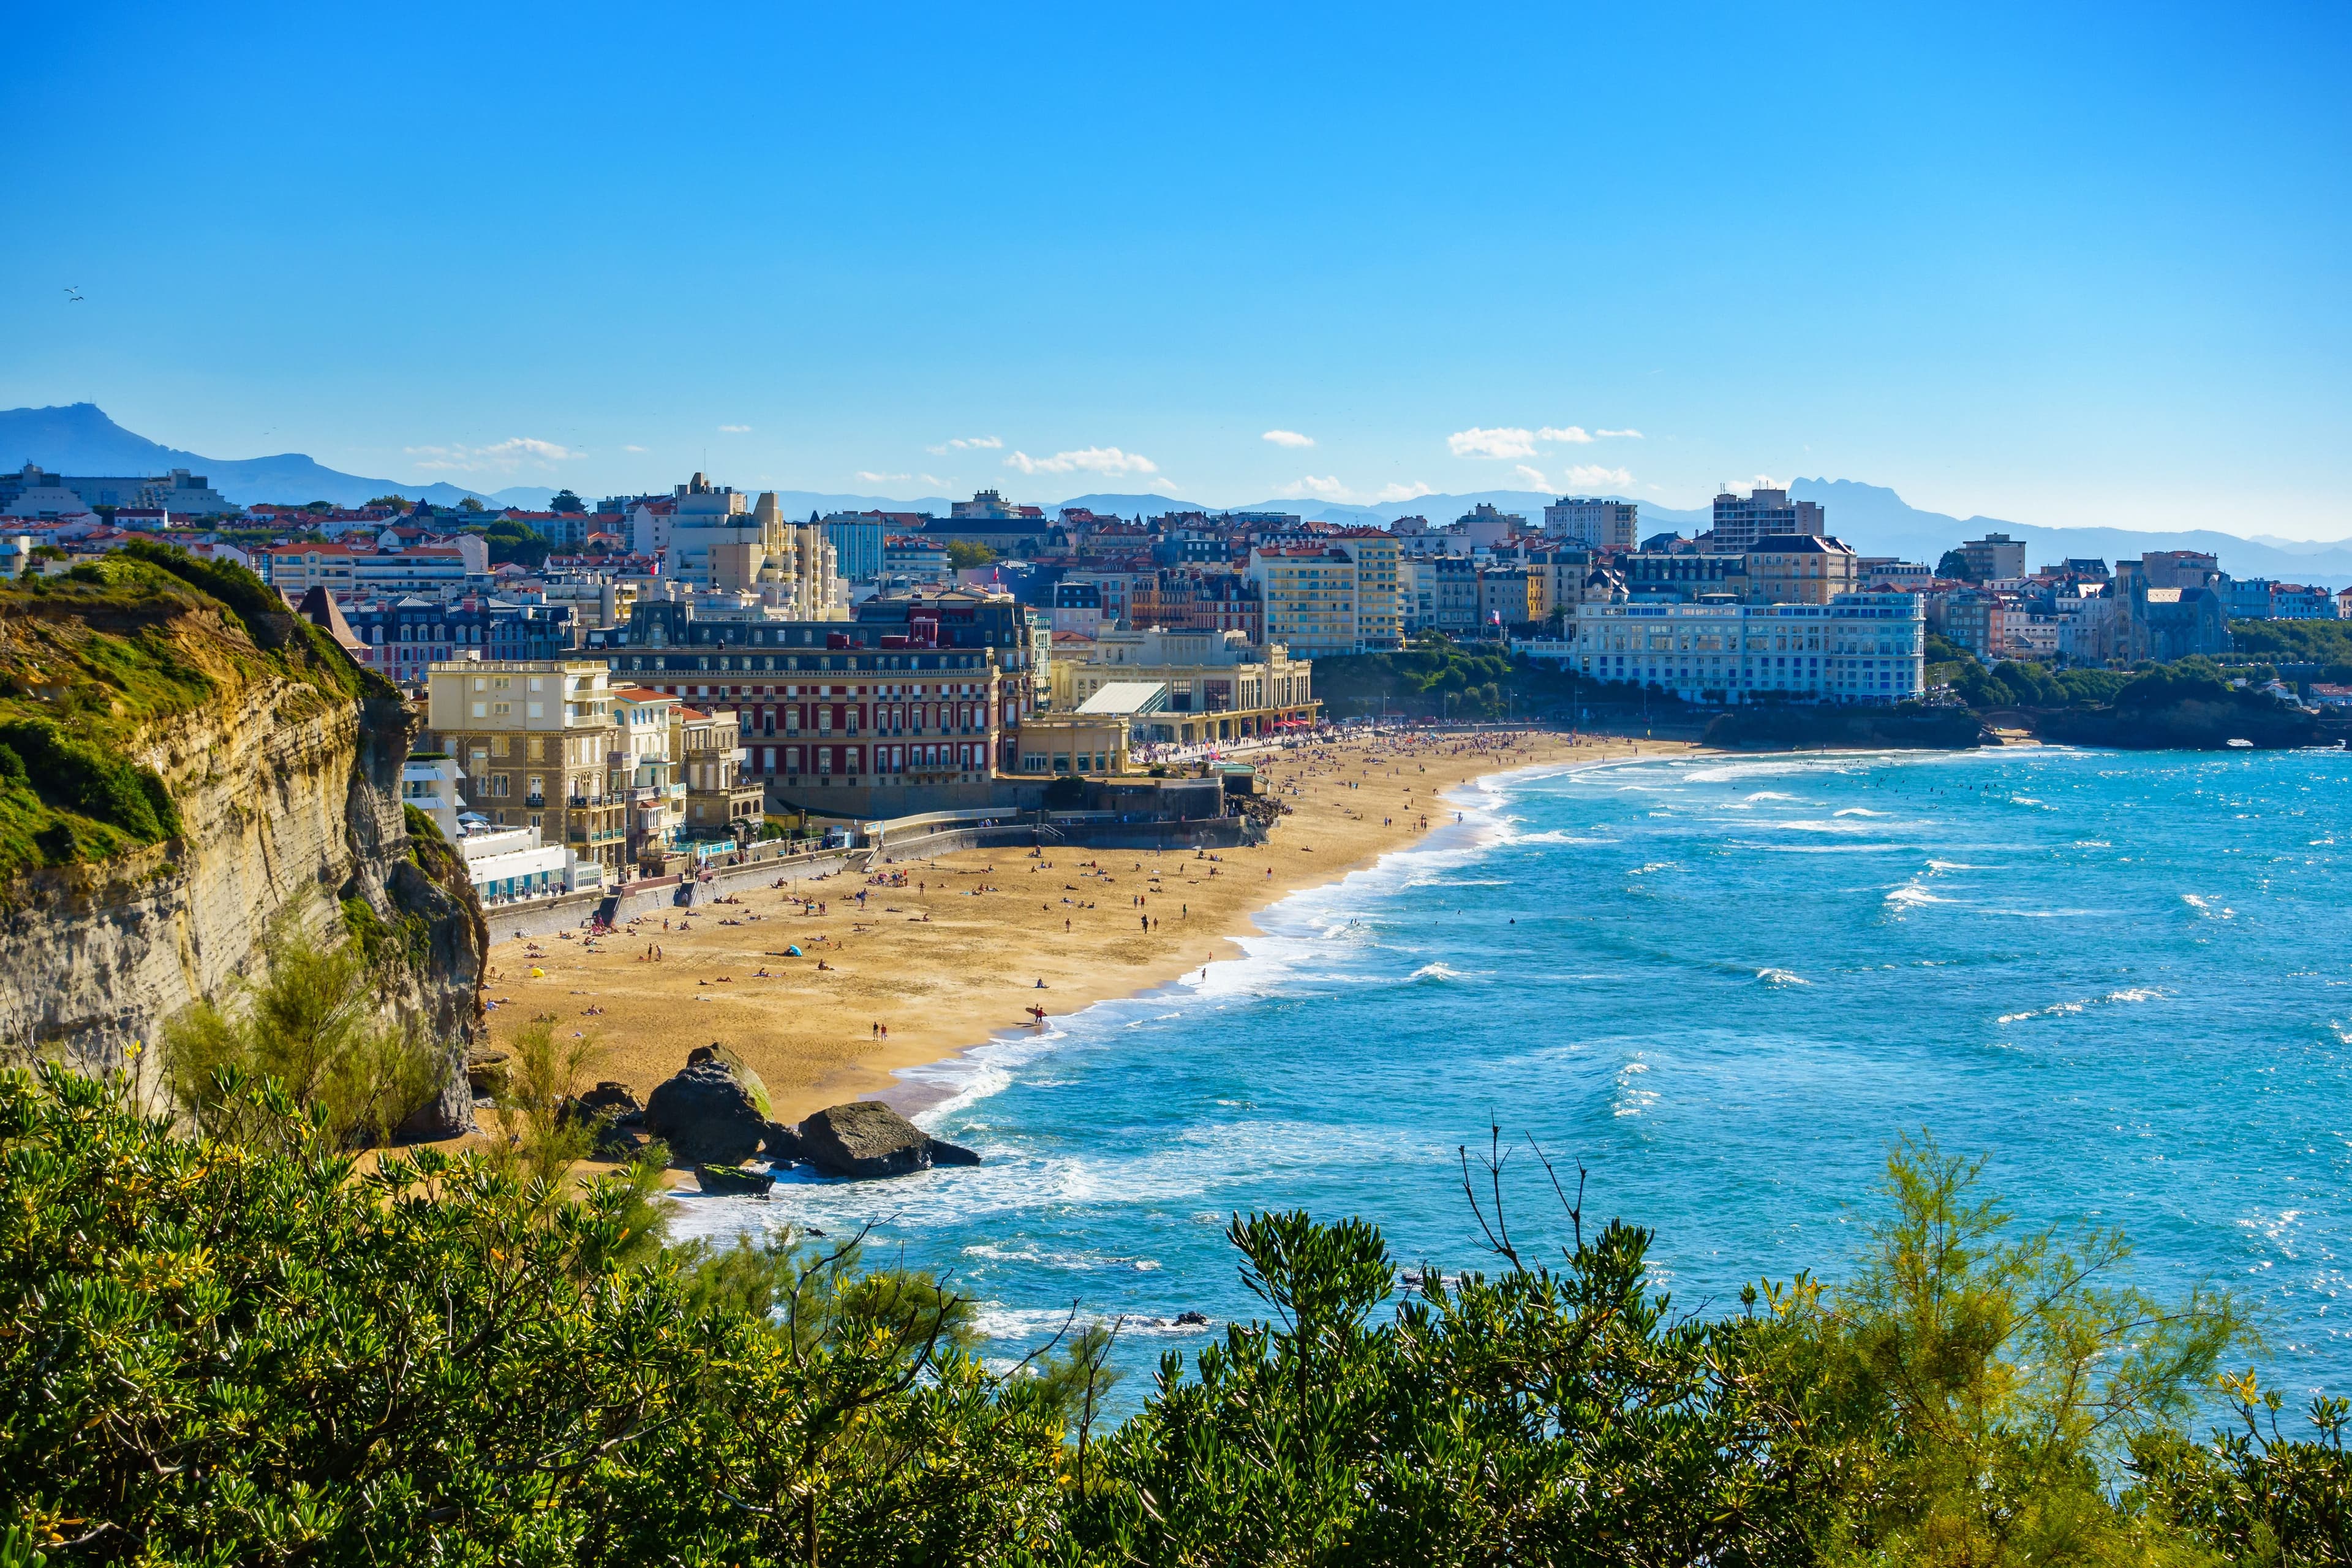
1585, 475
872, 478
633, 449
1533, 476
1329, 487
1288, 438
504, 457
1108, 461
965, 444
1509, 441
1506, 441
735, 429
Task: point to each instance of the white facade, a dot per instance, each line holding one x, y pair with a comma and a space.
1594, 524
1858, 647
504, 864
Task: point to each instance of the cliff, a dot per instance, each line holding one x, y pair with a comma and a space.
1771, 728
2188, 724
182, 763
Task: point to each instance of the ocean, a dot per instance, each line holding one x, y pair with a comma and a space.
1722, 986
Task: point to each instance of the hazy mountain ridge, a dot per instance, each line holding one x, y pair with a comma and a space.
78, 438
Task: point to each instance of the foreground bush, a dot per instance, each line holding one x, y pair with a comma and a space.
258, 1350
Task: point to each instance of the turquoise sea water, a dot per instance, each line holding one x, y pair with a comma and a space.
1723, 987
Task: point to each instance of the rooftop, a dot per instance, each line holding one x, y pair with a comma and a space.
1128, 697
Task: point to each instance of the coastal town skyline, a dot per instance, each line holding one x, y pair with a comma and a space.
2023, 268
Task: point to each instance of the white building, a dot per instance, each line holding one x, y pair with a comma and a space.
505, 865
1858, 647
1594, 524
1887, 571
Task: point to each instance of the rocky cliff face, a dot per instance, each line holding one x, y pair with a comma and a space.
289, 800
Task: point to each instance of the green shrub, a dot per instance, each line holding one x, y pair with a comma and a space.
72, 774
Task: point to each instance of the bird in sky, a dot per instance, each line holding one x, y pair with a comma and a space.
73, 293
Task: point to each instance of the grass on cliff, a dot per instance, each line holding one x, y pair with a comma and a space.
94, 663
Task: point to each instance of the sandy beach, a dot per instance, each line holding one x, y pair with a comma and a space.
944, 953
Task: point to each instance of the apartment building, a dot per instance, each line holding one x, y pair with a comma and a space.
911, 707
1439, 594
1763, 513
1594, 524
542, 743
1995, 558
1379, 622
721, 801
1508, 596
1857, 648
1800, 569
295, 569
1309, 590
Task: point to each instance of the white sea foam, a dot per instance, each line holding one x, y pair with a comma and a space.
992, 1253
1631, 1099
2067, 1009
1781, 977
1645, 869
2206, 908
1435, 972
1860, 811
1036, 1325
1911, 895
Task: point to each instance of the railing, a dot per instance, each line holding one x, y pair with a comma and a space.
901, 825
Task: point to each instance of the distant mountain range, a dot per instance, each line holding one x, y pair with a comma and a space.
78, 438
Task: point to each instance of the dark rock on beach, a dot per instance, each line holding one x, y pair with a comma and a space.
867, 1139
732, 1181
713, 1112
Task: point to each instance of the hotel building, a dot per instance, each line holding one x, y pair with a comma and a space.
1856, 648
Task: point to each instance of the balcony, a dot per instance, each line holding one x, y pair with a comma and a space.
535, 802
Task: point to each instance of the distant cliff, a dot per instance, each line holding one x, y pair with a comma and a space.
1763, 727
2187, 724
181, 764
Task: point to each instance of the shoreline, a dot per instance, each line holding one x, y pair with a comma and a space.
957, 986
913, 1097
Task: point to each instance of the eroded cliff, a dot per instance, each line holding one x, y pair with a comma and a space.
271, 768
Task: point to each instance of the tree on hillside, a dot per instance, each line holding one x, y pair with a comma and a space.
963, 554
565, 501
392, 503
470, 504
1955, 564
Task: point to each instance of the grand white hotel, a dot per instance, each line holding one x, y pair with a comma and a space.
1858, 647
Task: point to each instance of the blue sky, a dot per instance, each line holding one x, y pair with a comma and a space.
2056, 264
